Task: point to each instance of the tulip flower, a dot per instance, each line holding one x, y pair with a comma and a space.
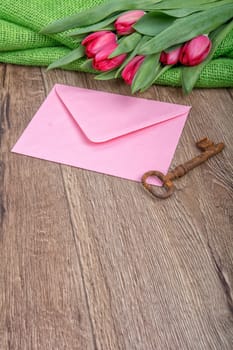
97, 41
103, 63
131, 68
170, 57
195, 51
124, 23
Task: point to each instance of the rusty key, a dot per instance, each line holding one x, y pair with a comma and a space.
208, 148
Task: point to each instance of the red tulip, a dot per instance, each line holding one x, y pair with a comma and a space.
124, 23
131, 68
103, 63
195, 51
170, 57
105, 52
97, 41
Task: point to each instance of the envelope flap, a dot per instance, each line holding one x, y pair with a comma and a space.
104, 116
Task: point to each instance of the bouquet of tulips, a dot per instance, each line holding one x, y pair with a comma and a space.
138, 40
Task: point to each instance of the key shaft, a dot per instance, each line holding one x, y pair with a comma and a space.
208, 148
183, 169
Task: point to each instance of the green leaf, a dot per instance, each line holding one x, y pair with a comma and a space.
126, 44
94, 27
179, 4
161, 71
79, 38
153, 23
106, 75
146, 73
95, 14
190, 75
87, 65
182, 12
71, 57
172, 48
177, 12
187, 28
131, 55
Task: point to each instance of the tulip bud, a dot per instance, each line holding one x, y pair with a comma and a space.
96, 41
170, 57
131, 68
124, 23
103, 63
195, 51
109, 64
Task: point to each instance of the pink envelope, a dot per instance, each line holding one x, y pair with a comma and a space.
104, 132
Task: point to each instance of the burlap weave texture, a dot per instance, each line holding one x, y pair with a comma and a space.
21, 43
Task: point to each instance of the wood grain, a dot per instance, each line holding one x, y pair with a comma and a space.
42, 299
90, 261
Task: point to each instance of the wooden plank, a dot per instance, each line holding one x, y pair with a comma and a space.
152, 268
89, 261
42, 298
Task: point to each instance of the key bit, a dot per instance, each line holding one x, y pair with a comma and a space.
208, 148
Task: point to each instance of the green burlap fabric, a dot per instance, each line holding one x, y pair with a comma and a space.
21, 43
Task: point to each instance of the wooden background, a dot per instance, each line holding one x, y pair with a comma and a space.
91, 262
